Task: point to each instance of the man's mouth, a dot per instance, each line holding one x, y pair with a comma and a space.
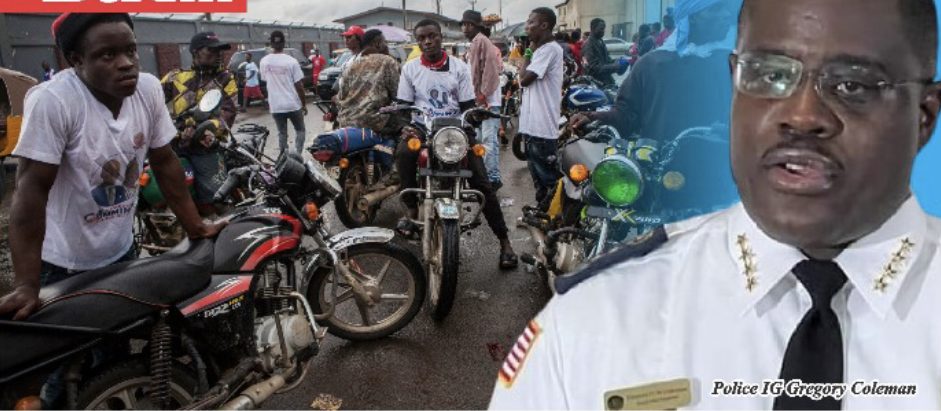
128, 80
801, 171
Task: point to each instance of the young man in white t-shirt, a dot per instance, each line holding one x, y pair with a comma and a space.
541, 105
442, 86
286, 97
85, 136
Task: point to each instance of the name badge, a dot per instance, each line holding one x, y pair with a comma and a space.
666, 395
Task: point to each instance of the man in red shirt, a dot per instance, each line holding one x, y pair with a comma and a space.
668, 26
576, 46
319, 63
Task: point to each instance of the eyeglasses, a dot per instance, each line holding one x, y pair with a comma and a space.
855, 87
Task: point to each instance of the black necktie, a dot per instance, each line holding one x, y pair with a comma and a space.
815, 351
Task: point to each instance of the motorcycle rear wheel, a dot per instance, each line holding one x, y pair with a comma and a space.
442, 278
341, 322
125, 386
353, 181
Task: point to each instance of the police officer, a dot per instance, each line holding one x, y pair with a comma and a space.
827, 272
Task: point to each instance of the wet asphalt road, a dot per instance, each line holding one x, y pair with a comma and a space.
428, 365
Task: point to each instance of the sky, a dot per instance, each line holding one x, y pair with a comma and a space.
325, 11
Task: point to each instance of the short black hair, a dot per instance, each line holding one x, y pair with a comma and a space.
277, 36
70, 31
577, 35
595, 22
562, 36
371, 36
548, 16
428, 22
921, 27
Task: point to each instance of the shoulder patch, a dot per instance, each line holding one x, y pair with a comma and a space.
641, 246
517, 356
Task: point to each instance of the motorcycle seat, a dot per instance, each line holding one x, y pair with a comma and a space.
104, 299
158, 281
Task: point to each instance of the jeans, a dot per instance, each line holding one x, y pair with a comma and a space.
406, 161
490, 138
543, 164
51, 392
297, 119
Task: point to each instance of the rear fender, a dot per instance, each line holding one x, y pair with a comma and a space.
365, 235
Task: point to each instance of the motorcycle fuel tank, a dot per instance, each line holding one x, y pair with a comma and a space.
248, 241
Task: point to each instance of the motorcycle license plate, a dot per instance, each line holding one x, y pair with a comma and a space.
334, 172
448, 211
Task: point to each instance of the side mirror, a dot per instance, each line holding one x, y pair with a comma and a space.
210, 102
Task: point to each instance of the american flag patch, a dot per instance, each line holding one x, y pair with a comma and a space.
517, 356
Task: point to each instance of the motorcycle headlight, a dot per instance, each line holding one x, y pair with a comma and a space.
618, 181
450, 145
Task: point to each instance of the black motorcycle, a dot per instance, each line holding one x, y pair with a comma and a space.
222, 323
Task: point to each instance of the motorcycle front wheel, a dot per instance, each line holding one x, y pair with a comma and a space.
355, 186
442, 272
393, 278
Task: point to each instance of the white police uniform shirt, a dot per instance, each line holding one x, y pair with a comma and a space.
686, 311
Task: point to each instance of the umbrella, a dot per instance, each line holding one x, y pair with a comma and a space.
393, 34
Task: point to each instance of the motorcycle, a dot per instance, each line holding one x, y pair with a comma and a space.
216, 323
156, 229
614, 189
443, 194
584, 94
510, 103
365, 163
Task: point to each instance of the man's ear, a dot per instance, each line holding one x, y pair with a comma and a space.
930, 105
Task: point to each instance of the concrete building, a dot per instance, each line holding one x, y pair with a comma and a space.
390, 16
623, 17
163, 43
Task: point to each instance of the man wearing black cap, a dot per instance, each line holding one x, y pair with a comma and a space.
90, 125
183, 89
285, 82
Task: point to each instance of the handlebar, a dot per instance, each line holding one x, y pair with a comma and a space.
236, 177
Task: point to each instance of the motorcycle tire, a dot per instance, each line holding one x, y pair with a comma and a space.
319, 285
132, 379
442, 286
519, 147
350, 215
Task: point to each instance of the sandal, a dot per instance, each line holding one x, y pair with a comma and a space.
508, 261
407, 229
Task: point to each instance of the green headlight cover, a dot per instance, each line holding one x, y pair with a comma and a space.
618, 181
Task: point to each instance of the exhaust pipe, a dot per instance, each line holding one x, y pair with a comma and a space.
376, 197
253, 396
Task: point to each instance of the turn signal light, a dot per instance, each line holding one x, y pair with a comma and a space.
312, 211
28, 403
480, 150
144, 180
344, 163
414, 144
578, 173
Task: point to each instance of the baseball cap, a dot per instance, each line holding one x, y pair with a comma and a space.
207, 39
354, 31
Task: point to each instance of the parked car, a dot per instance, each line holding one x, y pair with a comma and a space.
327, 80
239, 57
617, 47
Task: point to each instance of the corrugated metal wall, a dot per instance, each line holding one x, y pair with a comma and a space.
26, 40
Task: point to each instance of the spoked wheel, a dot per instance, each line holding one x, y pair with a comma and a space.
395, 284
355, 186
126, 386
519, 147
442, 271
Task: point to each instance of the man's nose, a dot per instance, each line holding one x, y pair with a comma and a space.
805, 113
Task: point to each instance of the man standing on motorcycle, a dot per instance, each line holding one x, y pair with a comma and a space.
374, 81
183, 89
541, 79
57, 229
451, 78
486, 66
